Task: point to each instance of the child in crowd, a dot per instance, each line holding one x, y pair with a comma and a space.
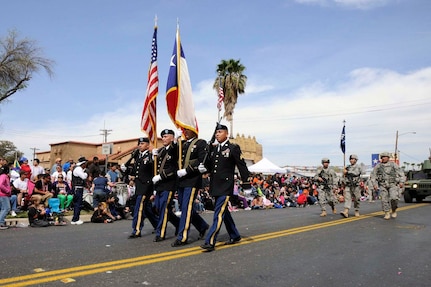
38, 216
101, 214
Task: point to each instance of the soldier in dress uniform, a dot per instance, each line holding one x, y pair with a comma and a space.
142, 173
222, 161
352, 176
165, 183
389, 178
327, 180
193, 151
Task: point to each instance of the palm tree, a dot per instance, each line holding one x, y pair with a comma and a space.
233, 82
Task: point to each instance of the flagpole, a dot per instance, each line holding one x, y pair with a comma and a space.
155, 118
218, 95
180, 148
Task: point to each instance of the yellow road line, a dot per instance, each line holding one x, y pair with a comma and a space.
79, 271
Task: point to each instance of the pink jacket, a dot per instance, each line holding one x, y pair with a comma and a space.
4, 185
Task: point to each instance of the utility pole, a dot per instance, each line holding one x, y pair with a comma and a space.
105, 133
34, 149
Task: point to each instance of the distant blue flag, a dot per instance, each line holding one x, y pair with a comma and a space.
374, 159
343, 140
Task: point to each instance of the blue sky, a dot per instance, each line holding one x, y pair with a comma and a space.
310, 65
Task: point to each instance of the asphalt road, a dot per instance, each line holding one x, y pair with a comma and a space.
280, 247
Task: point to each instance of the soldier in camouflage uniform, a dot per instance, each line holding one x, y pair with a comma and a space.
327, 180
389, 178
351, 180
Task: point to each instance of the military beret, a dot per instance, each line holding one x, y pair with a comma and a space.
143, 140
167, 132
221, 127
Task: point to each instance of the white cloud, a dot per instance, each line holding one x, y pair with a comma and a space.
297, 127
354, 4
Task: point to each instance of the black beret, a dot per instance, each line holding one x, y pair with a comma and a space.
221, 127
167, 132
143, 140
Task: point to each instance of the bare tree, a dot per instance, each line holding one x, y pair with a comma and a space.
19, 60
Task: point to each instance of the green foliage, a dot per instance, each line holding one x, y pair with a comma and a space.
19, 60
9, 151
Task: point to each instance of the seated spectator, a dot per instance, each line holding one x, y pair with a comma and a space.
63, 192
198, 205
37, 215
113, 209
36, 169
58, 171
257, 202
301, 200
20, 186
100, 215
41, 192
267, 203
23, 162
310, 198
99, 188
237, 194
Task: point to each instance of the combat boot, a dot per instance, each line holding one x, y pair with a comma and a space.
345, 213
334, 210
323, 213
356, 213
394, 214
387, 215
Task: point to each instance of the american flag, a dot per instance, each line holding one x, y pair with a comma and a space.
220, 97
148, 121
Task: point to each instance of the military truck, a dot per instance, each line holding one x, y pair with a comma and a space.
418, 184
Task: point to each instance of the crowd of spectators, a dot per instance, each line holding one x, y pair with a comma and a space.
110, 196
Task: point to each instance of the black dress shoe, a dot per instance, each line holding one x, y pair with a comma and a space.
202, 233
233, 241
158, 239
131, 236
178, 243
208, 247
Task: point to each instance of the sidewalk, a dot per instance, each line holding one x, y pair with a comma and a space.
23, 222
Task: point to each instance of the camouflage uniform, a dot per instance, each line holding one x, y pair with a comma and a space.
351, 180
388, 177
327, 187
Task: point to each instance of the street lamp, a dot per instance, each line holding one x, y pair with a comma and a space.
396, 143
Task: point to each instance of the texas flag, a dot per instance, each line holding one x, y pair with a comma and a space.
374, 159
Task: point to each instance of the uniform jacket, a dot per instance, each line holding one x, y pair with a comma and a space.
353, 174
167, 166
198, 150
328, 175
222, 168
387, 174
143, 170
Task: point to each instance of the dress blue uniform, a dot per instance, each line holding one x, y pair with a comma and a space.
193, 153
167, 166
143, 170
223, 160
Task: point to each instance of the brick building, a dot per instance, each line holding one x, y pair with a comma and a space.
252, 151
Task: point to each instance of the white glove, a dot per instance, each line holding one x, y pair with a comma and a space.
181, 172
202, 168
123, 168
156, 178
155, 151
179, 133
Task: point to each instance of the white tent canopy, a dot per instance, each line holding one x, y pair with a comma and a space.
266, 167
